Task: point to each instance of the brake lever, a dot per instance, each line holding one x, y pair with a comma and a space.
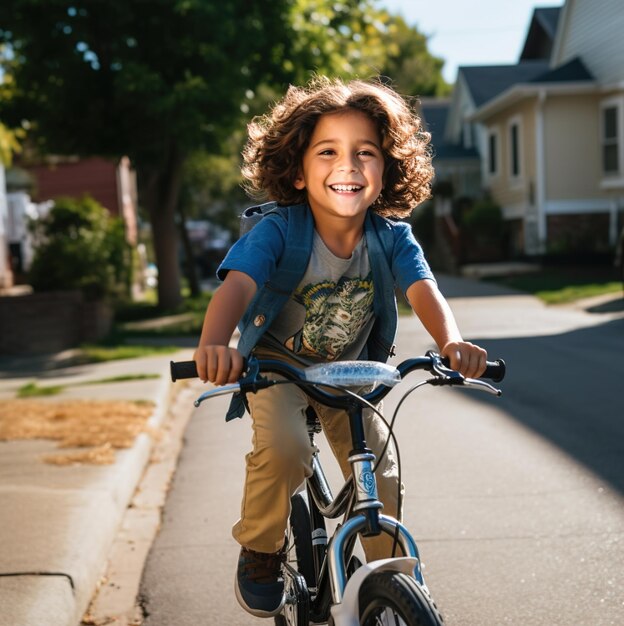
217, 391
481, 385
251, 382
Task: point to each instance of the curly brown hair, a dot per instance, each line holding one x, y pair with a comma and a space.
277, 141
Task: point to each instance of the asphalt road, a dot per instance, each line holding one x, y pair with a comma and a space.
516, 503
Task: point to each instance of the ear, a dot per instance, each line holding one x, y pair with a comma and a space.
299, 182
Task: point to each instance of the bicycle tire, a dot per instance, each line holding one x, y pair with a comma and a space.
299, 556
396, 598
300, 528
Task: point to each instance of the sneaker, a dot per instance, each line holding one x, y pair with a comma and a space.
259, 583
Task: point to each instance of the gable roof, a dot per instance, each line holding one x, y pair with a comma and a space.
488, 81
540, 37
570, 72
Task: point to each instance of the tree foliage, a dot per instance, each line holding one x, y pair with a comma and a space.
410, 65
121, 77
9, 144
339, 38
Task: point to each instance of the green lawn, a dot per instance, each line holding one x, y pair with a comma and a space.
563, 284
33, 390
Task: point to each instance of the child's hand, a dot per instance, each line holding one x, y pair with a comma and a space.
218, 364
466, 358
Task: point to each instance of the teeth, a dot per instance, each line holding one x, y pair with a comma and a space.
346, 187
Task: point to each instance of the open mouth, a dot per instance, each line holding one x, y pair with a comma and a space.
346, 188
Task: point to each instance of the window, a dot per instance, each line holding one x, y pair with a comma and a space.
493, 152
610, 140
514, 150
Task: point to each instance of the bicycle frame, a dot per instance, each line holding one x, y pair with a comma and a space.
358, 501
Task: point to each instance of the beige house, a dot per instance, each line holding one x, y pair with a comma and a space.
549, 130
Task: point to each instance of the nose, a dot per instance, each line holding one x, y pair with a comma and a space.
348, 163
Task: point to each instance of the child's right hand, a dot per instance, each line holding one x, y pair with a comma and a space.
218, 364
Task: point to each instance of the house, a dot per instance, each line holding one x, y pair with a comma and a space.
32, 189
549, 130
111, 182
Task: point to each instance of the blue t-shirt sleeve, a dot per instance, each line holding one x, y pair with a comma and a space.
408, 263
257, 252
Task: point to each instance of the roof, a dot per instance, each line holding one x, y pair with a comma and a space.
548, 17
434, 114
540, 37
570, 72
572, 77
488, 81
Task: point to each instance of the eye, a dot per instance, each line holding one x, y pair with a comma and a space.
327, 152
367, 153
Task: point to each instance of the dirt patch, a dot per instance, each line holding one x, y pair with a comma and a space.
99, 426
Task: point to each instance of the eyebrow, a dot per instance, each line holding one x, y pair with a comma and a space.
361, 141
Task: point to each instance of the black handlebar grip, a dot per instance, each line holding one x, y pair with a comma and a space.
495, 370
183, 369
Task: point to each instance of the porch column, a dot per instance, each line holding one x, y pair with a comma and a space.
540, 172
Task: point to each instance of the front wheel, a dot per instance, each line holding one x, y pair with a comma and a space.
393, 598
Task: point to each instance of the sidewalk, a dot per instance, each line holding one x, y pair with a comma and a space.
58, 522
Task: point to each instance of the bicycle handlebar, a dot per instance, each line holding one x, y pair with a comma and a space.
252, 381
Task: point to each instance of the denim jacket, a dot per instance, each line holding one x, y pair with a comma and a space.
395, 258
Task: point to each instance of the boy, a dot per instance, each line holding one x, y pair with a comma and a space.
341, 157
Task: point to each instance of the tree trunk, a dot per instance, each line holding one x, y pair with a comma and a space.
161, 192
190, 267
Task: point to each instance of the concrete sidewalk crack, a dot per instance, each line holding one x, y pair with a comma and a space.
34, 573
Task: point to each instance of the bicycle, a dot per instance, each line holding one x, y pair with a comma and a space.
323, 581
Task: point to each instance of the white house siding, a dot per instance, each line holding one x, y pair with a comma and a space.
592, 29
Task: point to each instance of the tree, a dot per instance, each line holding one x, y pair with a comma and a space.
338, 38
154, 80
410, 65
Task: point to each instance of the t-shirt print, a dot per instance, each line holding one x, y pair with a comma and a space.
335, 314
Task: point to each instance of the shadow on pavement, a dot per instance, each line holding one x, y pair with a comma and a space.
569, 388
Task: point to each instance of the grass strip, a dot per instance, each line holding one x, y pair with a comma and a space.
562, 285
33, 390
104, 353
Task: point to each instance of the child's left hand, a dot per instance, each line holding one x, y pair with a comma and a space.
466, 358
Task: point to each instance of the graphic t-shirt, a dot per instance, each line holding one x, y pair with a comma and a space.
330, 314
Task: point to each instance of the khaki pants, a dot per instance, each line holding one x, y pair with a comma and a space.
281, 458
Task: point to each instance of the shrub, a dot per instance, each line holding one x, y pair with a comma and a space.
484, 220
78, 245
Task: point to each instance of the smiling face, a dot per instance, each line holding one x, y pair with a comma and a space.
342, 168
